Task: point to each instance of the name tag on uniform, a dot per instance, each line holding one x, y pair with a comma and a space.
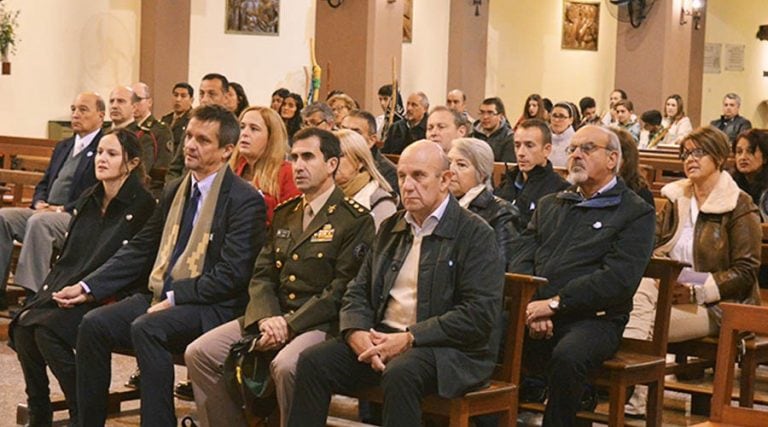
323, 235
283, 233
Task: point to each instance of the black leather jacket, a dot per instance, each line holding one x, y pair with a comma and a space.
502, 216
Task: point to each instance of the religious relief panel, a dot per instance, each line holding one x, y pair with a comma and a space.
581, 25
260, 17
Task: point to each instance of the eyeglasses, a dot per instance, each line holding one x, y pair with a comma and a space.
697, 154
312, 124
587, 148
560, 116
487, 113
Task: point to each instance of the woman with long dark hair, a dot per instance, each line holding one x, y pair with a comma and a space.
106, 216
290, 111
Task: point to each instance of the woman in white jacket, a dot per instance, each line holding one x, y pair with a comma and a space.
360, 180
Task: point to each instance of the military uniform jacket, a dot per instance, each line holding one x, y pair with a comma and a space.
304, 274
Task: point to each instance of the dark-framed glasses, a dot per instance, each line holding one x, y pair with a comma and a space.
697, 154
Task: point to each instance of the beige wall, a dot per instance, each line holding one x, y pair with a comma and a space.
738, 25
425, 60
66, 47
524, 56
260, 63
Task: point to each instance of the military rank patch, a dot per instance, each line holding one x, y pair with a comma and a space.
325, 234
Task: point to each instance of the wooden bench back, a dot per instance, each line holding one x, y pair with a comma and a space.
736, 318
16, 182
666, 271
11, 146
518, 291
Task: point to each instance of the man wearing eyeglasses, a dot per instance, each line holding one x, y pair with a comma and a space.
493, 128
318, 115
592, 242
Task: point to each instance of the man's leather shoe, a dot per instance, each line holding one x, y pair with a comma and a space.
134, 381
589, 399
533, 390
183, 391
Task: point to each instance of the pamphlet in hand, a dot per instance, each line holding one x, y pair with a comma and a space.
696, 278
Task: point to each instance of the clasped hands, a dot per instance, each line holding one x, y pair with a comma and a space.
377, 348
71, 296
275, 333
538, 318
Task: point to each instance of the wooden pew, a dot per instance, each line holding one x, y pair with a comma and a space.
737, 319
501, 395
11, 146
14, 183
637, 361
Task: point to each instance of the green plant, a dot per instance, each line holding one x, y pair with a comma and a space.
8, 25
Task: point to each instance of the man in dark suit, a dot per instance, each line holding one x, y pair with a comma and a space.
198, 249
67, 176
421, 311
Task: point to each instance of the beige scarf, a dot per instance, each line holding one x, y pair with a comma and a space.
351, 187
190, 262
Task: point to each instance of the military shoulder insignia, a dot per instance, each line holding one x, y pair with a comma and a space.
356, 208
288, 202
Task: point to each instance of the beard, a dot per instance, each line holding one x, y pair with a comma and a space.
577, 174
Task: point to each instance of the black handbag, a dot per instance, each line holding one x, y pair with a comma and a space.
248, 379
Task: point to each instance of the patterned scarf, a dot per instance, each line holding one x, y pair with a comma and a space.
190, 263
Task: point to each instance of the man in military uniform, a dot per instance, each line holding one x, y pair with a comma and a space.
162, 139
316, 246
176, 120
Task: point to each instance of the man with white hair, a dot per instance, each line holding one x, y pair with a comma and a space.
731, 122
592, 242
412, 128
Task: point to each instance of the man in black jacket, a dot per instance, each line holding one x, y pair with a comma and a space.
419, 317
592, 242
493, 128
198, 249
533, 177
731, 122
412, 128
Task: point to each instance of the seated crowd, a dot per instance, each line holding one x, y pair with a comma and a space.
290, 227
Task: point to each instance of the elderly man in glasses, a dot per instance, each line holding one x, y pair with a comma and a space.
593, 242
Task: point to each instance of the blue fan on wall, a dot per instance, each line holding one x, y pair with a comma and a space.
632, 11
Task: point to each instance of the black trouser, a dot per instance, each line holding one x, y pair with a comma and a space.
154, 337
576, 348
333, 367
37, 347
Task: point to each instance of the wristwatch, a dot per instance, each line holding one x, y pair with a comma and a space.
554, 304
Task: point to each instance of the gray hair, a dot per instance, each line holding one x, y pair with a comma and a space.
734, 97
318, 107
423, 100
613, 145
480, 154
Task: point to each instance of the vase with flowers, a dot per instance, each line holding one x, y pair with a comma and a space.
9, 23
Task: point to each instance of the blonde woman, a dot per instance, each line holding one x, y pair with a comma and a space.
360, 180
259, 156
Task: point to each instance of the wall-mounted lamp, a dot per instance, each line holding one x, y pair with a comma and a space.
762, 33
694, 9
477, 4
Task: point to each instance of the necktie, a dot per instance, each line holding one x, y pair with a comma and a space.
308, 215
184, 232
